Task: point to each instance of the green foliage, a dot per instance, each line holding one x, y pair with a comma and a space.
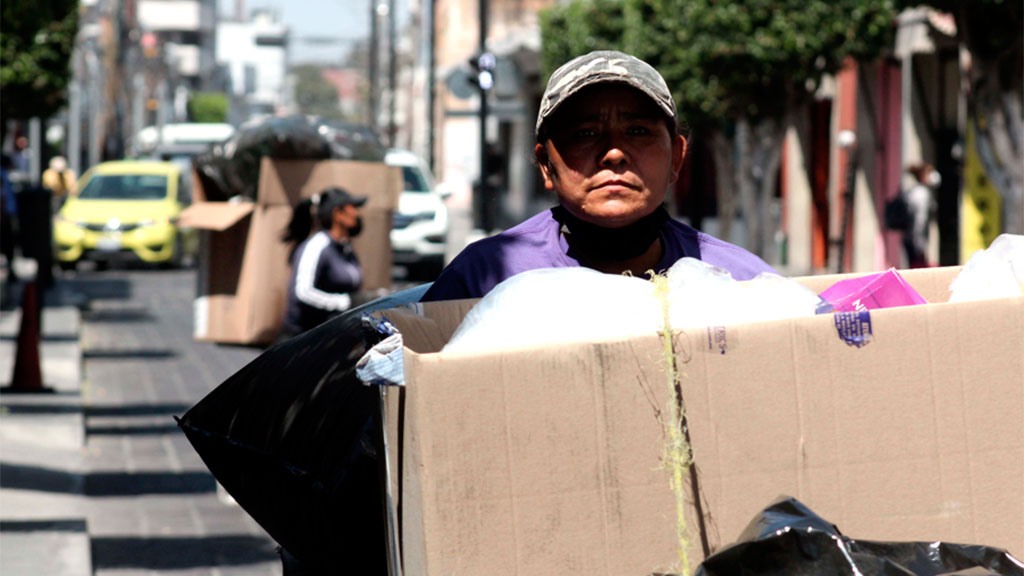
725, 60
35, 50
208, 107
573, 29
315, 95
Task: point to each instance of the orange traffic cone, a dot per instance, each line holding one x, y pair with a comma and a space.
28, 376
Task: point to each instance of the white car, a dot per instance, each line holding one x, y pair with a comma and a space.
420, 228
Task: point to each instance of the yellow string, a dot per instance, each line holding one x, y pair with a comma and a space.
677, 452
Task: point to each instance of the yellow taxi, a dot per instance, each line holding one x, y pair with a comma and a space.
123, 209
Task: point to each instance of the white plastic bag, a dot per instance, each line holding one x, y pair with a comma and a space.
704, 295
996, 272
552, 305
557, 305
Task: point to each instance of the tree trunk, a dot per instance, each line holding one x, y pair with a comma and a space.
725, 183
746, 166
768, 157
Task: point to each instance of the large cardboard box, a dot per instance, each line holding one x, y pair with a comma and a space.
901, 424
243, 264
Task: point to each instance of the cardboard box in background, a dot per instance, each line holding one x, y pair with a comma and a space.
243, 264
549, 460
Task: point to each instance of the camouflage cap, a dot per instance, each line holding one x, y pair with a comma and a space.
599, 67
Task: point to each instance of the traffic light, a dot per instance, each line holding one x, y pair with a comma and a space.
483, 65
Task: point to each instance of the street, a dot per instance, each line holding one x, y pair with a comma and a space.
97, 478
152, 506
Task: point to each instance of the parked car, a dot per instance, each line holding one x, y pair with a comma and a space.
420, 228
124, 209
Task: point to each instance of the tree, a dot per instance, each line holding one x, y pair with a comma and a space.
313, 94
992, 31
737, 71
208, 107
35, 50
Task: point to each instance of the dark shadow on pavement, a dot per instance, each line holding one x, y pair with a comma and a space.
67, 525
41, 409
132, 430
180, 553
116, 316
98, 287
39, 479
137, 410
101, 484
127, 354
58, 394
43, 338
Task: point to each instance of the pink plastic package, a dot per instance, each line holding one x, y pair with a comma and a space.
883, 290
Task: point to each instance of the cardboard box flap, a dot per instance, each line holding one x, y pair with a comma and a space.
289, 181
217, 216
429, 328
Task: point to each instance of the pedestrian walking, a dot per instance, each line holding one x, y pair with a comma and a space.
8, 217
921, 208
60, 180
325, 269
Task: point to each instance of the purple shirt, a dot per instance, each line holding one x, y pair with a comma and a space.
538, 243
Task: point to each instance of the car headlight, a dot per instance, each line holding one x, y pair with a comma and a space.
62, 218
155, 221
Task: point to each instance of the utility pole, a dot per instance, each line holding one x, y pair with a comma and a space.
392, 73
482, 61
431, 90
371, 105
75, 116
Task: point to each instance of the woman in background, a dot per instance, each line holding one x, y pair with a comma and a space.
325, 269
921, 207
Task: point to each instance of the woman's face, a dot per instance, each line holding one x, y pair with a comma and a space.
346, 216
610, 158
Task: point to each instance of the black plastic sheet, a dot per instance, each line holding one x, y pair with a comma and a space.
292, 437
787, 538
233, 168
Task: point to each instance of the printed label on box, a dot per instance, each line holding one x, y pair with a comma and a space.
717, 341
854, 327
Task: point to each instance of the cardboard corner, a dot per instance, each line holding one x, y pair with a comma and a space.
215, 216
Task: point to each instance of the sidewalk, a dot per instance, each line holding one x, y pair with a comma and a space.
42, 435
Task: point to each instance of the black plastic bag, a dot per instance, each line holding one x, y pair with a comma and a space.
292, 437
788, 538
897, 212
233, 168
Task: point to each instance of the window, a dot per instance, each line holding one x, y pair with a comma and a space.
413, 180
249, 82
125, 187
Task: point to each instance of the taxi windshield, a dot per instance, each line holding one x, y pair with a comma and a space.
125, 187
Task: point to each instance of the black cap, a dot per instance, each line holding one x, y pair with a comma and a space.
338, 197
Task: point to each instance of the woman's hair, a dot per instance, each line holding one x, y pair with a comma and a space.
920, 171
301, 224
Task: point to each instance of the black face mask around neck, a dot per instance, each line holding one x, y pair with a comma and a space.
614, 244
355, 230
